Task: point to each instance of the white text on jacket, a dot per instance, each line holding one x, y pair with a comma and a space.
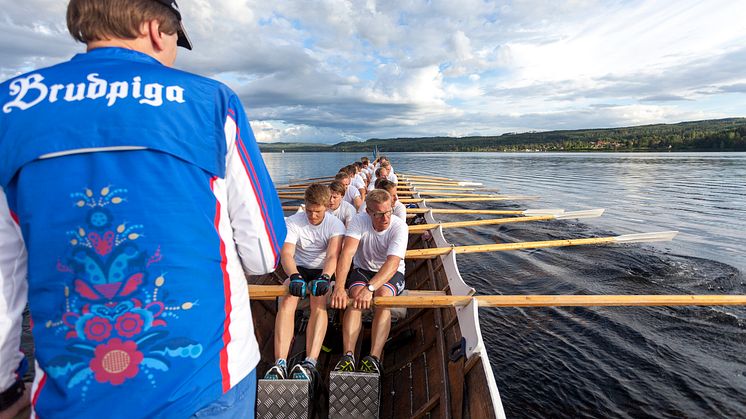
30, 91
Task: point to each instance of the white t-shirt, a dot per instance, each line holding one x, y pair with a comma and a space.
345, 211
351, 194
311, 241
392, 177
358, 181
374, 245
399, 210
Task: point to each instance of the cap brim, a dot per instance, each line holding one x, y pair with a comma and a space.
183, 40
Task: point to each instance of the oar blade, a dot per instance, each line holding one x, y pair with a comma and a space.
581, 214
539, 212
660, 236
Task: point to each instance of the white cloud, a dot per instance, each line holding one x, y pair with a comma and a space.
333, 70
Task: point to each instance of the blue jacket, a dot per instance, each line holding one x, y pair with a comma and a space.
142, 201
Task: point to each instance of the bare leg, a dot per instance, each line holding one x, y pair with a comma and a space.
285, 326
381, 325
351, 325
316, 326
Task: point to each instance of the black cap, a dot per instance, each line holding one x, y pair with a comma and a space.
183, 40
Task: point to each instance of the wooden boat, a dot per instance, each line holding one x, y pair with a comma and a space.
435, 362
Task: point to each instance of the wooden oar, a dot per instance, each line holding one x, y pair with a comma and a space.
445, 188
406, 176
527, 212
474, 199
270, 292
436, 193
428, 184
479, 248
421, 228
312, 179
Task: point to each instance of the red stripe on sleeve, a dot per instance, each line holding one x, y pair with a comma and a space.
227, 295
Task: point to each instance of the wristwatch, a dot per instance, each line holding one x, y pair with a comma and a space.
370, 287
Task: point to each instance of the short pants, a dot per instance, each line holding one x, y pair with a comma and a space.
359, 277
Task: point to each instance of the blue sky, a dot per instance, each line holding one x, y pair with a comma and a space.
332, 70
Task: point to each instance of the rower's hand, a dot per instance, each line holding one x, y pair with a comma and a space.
363, 299
339, 298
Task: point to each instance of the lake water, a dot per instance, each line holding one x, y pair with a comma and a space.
602, 362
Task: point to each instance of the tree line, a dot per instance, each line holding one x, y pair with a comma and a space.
711, 135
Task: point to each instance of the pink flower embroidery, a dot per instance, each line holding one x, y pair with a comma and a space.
116, 361
129, 324
97, 328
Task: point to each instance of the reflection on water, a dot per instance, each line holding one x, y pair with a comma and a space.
603, 362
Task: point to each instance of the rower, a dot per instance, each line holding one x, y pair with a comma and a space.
352, 193
309, 256
368, 168
399, 209
360, 180
338, 206
375, 243
380, 174
390, 175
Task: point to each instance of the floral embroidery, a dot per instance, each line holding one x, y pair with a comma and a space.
116, 361
114, 319
97, 328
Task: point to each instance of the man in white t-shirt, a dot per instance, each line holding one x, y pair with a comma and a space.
338, 206
375, 243
380, 173
367, 168
399, 209
352, 194
309, 257
390, 175
358, 180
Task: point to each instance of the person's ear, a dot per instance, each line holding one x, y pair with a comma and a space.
156, 37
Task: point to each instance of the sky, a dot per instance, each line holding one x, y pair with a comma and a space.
330, 70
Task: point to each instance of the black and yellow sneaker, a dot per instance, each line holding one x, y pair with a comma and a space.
370, 365
277, 372
346, 363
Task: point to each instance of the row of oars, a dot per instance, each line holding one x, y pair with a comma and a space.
432, 186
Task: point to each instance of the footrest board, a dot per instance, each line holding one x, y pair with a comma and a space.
283, 399
354, 395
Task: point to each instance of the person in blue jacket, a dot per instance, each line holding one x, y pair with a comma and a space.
133, 204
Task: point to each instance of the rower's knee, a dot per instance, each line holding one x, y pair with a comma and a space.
289, 302
318, 303
385, 291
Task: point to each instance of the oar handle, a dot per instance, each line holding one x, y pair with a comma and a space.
270, 292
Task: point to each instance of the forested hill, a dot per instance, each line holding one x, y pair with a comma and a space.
712, 135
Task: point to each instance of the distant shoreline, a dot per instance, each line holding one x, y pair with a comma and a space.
718, 135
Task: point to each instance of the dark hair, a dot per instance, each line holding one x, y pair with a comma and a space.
384, 183
98, 20
337, 187
341, 175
